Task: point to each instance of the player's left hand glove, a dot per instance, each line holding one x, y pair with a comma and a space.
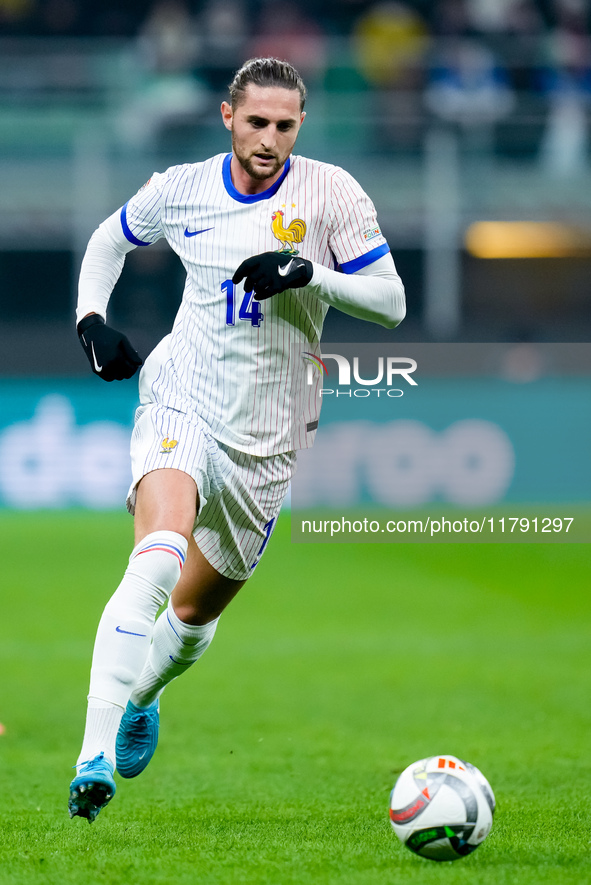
273, 272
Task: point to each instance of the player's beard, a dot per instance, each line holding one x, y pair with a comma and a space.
247, 164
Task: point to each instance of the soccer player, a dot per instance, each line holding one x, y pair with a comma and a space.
269, 240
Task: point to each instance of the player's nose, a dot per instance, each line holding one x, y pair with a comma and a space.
269, 139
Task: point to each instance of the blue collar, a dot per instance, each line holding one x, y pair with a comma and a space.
250, 198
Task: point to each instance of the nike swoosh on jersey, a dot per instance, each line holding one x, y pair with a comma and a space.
94, 359
128, 632
193, 233
283, 271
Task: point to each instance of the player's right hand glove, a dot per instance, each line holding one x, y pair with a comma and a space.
270, 273
109, 352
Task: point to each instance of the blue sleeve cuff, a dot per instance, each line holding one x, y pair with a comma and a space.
128, 234
368, 258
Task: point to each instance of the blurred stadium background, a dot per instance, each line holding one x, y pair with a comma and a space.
466, 120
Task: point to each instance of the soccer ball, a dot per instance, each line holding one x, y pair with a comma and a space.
442, 808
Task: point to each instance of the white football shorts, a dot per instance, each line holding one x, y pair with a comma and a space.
240, 494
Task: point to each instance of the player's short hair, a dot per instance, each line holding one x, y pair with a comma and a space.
266, 72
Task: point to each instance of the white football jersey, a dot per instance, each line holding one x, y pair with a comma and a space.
241, 365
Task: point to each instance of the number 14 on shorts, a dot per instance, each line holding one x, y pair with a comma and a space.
249, 308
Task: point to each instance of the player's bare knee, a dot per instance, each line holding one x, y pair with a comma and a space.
167, 500
195, 613
178, 525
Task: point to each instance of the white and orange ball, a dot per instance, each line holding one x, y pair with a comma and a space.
442, 808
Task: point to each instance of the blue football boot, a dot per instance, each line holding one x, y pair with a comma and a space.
92, 788
137, 738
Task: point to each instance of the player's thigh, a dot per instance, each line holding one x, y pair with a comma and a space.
166, 500
175, 463
202, 593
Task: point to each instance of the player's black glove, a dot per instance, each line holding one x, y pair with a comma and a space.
273, 272
109, 352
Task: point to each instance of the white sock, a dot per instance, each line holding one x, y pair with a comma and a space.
102, 725
175, 646
124, 633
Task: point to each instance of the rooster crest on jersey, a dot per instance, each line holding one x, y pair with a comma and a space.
168, 445
290, 235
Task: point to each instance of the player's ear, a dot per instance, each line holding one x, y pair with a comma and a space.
303, 114
227, 114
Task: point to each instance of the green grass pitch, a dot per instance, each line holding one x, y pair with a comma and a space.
333, 669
